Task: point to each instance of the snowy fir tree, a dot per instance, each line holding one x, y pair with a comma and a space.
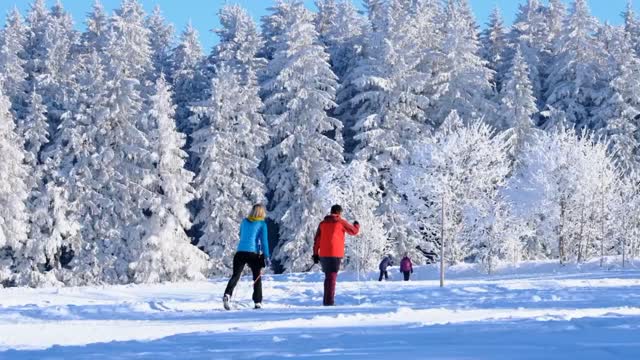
621, 105
95, 37
166, 253
465, 79
517, 104
494, 46
229, 148
13, 40
531, 34
299, 90
189, 80
160, 42
575, 78
14, 192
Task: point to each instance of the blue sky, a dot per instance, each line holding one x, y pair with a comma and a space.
202, 13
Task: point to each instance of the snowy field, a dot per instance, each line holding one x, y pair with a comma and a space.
538, 311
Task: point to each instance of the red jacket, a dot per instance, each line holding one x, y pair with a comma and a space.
329, 240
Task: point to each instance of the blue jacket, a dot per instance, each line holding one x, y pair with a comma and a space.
253, 237
386, 262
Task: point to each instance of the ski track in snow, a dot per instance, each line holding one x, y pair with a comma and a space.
538, 311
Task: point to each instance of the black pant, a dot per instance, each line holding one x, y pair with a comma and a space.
240, 259
407, 274
385, 274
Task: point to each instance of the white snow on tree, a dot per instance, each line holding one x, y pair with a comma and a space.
494, 47
575, 78
517, 104
95, 37
161, 42
354, 186
166, 253
12, 46
621, 105
464, 79
563, 187
452, 180
189, 81
299, 90
14, 191
229, 148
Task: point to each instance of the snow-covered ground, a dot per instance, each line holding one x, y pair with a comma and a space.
535, 311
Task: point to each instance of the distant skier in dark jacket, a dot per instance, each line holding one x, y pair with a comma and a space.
253, 250
328, 249
406, 267
384, 264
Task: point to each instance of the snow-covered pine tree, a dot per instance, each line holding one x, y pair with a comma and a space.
341, 28
41, 244
229, 148
299, 90
531, 34
240, 43
517, 104
161, 42
14, 192
79, 176
494, 47
451, 180
356, 187
621, 105
189, 80
166, 253
48, 53
95, 37
575, 77
273, 27
13, 40
134, 56
388, 102
632, 26
123, 147
325, 17
464, 78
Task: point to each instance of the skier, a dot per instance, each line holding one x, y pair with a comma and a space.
328, 249
406, 267
384, 264
253, 242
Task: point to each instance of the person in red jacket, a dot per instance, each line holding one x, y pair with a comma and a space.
328, 249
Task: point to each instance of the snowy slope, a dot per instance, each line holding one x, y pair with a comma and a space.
539, 311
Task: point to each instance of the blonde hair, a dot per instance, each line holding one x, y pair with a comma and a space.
258, 212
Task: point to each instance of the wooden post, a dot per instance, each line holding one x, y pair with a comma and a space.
442, 246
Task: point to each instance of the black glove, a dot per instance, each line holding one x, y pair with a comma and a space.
316, 259
355, 223
412, 271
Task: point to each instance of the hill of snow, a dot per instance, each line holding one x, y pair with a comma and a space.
535, 311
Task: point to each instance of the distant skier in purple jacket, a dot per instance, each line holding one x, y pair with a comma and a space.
406, 267
384, 264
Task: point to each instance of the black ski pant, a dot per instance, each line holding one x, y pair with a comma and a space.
407, 275
385, 274
240, 259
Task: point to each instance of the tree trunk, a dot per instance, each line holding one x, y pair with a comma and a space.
561, 233
602, 229
442, 246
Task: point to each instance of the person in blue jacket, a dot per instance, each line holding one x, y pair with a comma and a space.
253, 250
